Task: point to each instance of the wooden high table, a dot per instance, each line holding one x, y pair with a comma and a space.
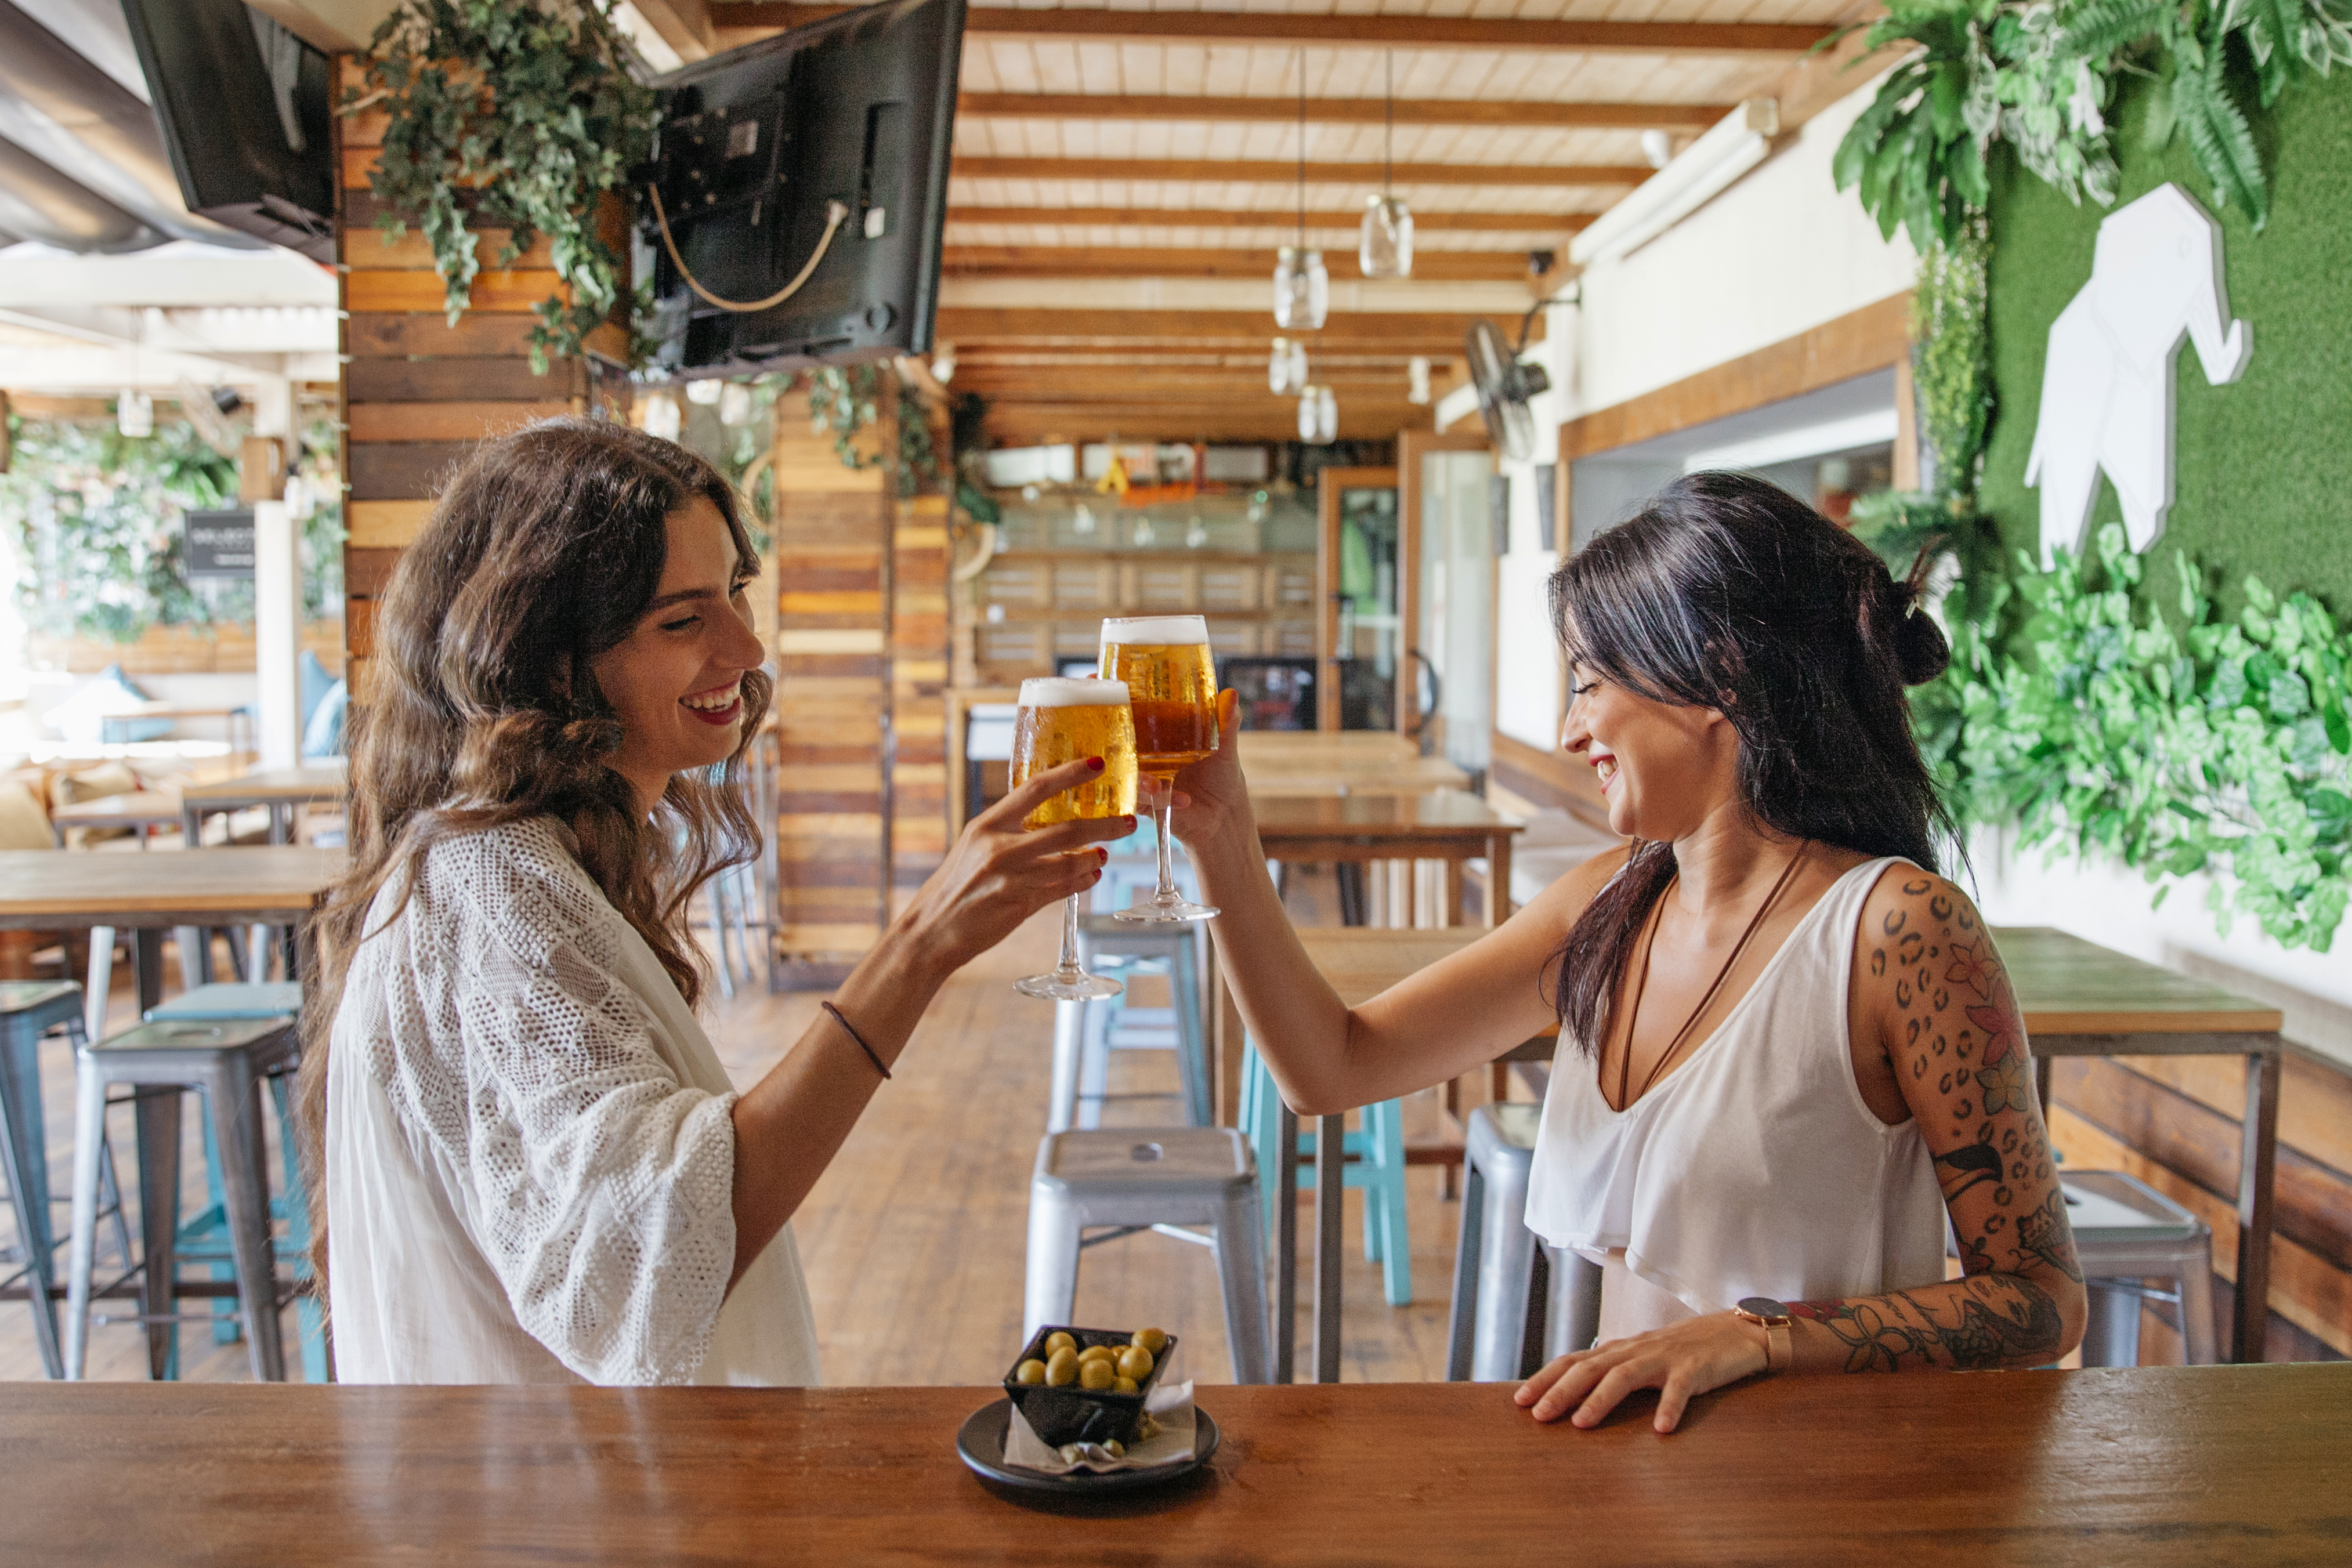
2077, 999
1446, 825
51, 890
2151, 1467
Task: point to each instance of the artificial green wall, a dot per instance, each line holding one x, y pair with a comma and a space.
2263, 466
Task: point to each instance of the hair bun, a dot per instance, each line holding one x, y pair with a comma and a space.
1921, 651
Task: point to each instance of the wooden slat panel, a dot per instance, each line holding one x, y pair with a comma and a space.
475, 379
399, 334
1223, 218
2315, 1098
1274, 172
382, 528
411, 252
378, 422
403, 470
368, 568
1514, 114
1139, 261
519, 290
2313, 1203
970, 325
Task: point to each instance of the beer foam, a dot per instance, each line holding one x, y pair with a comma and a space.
1077, 691
1157, 630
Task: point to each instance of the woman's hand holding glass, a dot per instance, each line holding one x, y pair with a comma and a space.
999, 873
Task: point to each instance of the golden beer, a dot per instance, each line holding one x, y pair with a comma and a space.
1063, 721
1173, 684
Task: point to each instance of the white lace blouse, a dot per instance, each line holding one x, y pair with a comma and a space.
530, 1157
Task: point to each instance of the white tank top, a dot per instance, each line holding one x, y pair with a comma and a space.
1753, 1169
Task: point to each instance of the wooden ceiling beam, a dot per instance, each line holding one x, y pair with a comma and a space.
1152, 261
1221, 218
1033, 327
1135, 362
684, 25
1359, 420
1513, 114
1041, 384
744, 23
1279, 172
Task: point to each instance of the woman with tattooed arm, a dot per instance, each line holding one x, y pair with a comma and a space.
1789, 1050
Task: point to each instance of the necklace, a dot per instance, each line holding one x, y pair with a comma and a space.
1642, 979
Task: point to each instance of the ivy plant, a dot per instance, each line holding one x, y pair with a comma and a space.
528, 115
2221, 746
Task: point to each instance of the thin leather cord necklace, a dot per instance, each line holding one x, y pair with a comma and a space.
1642, 980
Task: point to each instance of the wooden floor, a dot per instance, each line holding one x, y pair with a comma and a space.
914, 1240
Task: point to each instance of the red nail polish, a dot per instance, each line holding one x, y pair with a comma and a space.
1104, 853
1096, 763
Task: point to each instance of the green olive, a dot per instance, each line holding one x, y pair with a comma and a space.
1058, 1339
1153, 1340
1135, 1362
1030, 1371
1097, 1352
1060, 1369
1122, 1385
1096, 1375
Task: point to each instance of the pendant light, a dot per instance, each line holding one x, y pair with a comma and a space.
1318, 415
1302, 286
1416, 379
1286, 366
1384, 248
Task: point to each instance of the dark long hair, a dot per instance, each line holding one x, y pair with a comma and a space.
1726, 591
481, 708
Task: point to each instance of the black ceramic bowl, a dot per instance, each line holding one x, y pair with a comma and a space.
1074, 1414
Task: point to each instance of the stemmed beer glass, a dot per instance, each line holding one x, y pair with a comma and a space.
1062, 721
1172, 681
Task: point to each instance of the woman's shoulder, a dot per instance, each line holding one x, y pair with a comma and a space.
520, 879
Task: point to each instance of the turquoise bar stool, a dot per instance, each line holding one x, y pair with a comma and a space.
205, 1237
1377, 1169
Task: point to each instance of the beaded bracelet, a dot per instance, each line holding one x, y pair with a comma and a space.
860, 1039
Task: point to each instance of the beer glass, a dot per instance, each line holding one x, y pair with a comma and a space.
1172, 684
1062, 721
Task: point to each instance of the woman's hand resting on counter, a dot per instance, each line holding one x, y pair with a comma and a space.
1679, 1360
998, 874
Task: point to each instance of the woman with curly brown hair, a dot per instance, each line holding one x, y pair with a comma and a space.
527, 1163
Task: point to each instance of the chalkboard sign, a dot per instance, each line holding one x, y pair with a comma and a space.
219, 544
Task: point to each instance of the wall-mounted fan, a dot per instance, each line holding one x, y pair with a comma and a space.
1504, 386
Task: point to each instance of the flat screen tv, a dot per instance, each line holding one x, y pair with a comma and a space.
757, 147
247, 113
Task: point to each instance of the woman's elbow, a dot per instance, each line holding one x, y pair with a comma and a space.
2074, 1300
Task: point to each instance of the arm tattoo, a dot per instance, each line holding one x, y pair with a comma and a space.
1957, 1045
1970, 1325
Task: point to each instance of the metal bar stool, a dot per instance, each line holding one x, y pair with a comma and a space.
226, 1061
29, 1009
1154, 1178
1374, 1162
2127, 1233
1135, 949
1517, 1302
204, 1238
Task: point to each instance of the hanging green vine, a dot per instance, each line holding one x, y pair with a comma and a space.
530, 108
843, 401
2040, 77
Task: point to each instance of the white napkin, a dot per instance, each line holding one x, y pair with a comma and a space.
1171, 1407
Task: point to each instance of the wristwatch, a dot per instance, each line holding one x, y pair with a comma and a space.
1772, 1317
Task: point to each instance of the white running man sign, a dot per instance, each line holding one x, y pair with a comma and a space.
2107, 386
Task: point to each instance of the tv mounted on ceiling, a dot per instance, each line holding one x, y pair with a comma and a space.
247, 113
814, 166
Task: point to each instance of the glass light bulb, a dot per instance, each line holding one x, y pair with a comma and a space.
1144, 534
663, 418
1302, 290
1277, 367
1083, 519
134, 415
1327, 416
1416, 375
735, 404
1308, 421
1298, 362
943, 363
1384, 247
704, 392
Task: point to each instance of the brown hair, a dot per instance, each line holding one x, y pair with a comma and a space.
542, 552
1726, 591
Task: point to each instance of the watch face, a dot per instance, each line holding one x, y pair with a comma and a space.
1764, 1307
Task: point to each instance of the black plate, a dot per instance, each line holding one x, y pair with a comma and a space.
980, 1443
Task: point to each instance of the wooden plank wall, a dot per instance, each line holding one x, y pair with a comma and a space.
833, 540
418, 393
919, 684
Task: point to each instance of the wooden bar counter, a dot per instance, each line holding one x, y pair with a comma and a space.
2202, 1465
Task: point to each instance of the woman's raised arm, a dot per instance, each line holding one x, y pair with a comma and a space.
1453, 1017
